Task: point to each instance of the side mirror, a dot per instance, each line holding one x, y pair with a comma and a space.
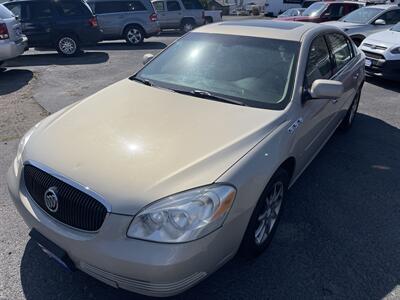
326, 89
147, 57
380, 22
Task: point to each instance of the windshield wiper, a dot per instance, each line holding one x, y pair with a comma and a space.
208, 95
144, 81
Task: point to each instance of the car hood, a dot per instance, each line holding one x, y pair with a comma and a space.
133, 144
386, 38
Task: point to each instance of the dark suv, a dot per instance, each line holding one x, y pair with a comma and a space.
65, 25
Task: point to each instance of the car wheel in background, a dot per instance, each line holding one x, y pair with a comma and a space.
208, 20
351, 113
266, 215
67, 45
134, 35
187, 25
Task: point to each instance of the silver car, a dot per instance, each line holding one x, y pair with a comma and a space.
12, 42
176, 14
367, 20
155, 182
133, 20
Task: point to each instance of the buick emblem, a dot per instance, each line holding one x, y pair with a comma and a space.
51, 199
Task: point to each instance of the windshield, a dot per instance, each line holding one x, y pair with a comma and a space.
255, 71
396, 27
362, 15
314, 10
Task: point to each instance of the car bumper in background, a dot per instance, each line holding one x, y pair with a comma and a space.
153, 29
12, 49
149, 268
377, 65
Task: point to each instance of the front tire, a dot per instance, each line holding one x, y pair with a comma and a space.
134, 35
67, 45
187, 25
265, 217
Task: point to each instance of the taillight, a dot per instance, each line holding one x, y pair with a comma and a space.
3, 31
153, 17
93, 22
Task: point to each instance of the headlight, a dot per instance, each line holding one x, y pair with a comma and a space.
21, 147
185, 216
395, 50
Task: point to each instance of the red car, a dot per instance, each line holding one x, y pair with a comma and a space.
325, 11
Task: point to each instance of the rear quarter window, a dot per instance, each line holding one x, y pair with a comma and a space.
107, 7
73, 8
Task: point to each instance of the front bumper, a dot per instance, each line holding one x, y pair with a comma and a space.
380, 67
12, 49
154, 269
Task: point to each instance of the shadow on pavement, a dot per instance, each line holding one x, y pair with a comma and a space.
338, 238
13, 80
111, 46
45, 59
384, 83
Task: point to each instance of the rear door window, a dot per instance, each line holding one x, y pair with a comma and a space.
39, 10
335, 10
159, 6
319, 64
341, 49
173, 6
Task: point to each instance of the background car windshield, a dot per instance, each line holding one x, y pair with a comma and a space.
396, 27
256, 71
314, 10
362, 15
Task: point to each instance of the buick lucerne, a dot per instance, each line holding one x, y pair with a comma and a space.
156, 181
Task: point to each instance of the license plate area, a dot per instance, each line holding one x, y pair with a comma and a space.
53, 251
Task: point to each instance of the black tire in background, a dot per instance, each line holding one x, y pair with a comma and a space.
134, 35
187, 25
68, 45
251, 246
348, 120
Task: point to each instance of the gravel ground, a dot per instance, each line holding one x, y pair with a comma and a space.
339, 235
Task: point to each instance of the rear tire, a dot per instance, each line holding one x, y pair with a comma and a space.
348, 120
267, 212
67, 45
134, 35
187, 25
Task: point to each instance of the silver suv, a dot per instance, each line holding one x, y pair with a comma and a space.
177, 14
12, 42
133, 20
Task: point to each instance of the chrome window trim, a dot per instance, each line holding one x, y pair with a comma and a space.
84, 189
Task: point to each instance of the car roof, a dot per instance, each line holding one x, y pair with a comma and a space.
384, 6
283, 30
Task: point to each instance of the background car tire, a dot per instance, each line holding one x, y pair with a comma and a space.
348, 120
252, 245
187, 25
208, 20
134, 35
68, 45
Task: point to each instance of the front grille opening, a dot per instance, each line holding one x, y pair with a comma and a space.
75, 208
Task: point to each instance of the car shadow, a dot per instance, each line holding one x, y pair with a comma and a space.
13, 80
112, 46
384, 83
338, 237
39, 59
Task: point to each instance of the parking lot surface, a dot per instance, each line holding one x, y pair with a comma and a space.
339, 234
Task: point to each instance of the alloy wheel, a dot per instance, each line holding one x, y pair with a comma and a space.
270, 213
134, 36
67, 45
187, 27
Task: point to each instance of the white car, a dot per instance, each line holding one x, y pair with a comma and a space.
12, 42
382, 51
368, 20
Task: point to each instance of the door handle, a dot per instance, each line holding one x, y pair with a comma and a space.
355, 76
334, 101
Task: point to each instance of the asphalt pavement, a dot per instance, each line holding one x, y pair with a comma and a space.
339, 234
